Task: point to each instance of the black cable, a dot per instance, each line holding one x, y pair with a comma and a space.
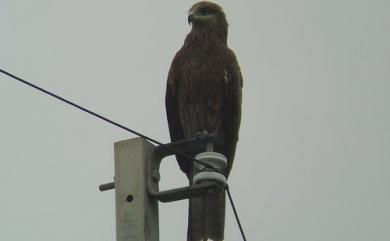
180, 153
235, 212
177, 152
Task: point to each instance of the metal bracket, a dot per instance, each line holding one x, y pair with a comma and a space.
193, 145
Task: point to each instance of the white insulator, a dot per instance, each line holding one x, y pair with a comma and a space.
215, 159
210, 176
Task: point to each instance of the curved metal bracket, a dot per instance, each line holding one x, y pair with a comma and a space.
193, 145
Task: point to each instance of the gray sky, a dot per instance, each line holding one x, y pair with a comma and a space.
313, 158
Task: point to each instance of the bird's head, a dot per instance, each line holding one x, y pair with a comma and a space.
207, 15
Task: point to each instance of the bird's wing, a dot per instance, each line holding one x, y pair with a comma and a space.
233, 99
175, 128
174, 124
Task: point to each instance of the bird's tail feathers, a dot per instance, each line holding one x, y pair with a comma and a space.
206, 218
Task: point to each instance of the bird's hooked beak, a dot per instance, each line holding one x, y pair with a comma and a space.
190, 18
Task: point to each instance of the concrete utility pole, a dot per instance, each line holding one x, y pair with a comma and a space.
136, 211
137, 164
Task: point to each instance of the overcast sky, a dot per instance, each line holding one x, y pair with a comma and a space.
313, 158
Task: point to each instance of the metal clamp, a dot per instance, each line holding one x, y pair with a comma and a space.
197, 144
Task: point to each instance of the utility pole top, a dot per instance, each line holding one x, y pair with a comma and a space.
137, 164
136, 211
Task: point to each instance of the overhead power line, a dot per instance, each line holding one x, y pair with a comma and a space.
180, 153
177, 152
235, 212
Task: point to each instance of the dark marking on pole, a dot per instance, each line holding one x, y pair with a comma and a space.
129, 198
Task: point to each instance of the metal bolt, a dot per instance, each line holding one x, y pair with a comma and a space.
156, 175
129, 198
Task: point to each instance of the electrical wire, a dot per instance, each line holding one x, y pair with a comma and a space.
180, 153
235, 212
177, 152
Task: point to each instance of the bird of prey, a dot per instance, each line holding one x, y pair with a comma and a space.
203, 94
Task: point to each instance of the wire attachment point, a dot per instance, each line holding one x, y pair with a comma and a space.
214, 159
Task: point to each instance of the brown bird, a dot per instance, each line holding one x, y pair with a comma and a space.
204, 95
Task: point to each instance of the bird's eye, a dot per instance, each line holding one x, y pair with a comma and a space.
204, 11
